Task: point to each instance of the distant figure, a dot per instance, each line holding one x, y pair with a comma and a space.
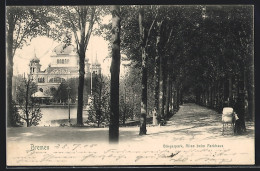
239, 110
155, 122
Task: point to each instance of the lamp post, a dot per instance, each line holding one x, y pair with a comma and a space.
68, 88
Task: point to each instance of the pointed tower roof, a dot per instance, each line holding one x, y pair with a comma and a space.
35, 59
96, 61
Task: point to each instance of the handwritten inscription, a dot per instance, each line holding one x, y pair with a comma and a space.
93, 154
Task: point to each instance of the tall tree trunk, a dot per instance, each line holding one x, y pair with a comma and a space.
157, 71
167, 103
211, 96
82, 45
81, 53
27, 84
208, 96
9, 64
161, 89
167, 93
178, 98
181, 96
133, 105
240, 106
165, 76
214, 97
124, 113
171, 98
115, 71
218, 97
250, 90
230, 90
156, 87
81, 86
144, 94
175, 99
144, 74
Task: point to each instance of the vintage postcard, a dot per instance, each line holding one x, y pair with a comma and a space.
130, 85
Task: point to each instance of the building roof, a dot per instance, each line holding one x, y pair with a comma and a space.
96, 63
63, 50
35, 59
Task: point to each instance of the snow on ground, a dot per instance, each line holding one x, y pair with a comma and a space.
193, 136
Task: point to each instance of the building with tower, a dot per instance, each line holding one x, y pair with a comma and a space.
64, 65
95, 67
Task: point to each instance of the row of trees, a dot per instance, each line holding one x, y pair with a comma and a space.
175, 48
197, 48
224, 71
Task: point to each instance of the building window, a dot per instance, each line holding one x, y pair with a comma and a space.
41, 80
56, 80
62, 61
57, 61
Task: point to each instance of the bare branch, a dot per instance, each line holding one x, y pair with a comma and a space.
149, 31
91, 23
79, 21
82, 15
170, 35
28, 27
73, 28
141, 28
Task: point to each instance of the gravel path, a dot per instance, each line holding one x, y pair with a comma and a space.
193, 136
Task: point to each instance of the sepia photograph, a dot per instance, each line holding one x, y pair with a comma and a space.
130, 85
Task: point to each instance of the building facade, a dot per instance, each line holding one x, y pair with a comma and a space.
64, 65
